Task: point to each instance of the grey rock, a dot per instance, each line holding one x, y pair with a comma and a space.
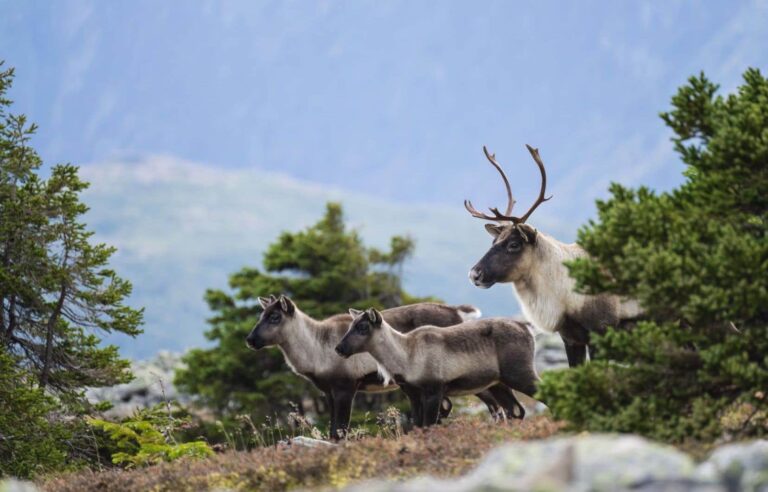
601, 462
13, 485
550, 352
309, 442
738, 466
152, 384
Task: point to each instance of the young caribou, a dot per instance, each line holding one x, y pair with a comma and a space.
308, 346
486, 354
534, 263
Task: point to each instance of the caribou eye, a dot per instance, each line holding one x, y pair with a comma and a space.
274, 318
363, 328
513, 246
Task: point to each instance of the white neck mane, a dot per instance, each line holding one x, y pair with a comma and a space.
390, 350
301, 347
548, 292
306, 353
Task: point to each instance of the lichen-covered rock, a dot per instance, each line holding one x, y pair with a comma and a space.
550, 352
739, 466
13, 485
600, 463
152, 384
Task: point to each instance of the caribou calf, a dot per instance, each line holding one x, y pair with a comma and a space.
493, 354
308, 346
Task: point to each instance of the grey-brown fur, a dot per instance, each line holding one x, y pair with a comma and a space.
461, 359
534, 263
308, 346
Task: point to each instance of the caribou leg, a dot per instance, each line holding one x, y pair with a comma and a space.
513, 409
333, 431
432, 397
343, 395
445, 408
415, 398
494, 407
577, 354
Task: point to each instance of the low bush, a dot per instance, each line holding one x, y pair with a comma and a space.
148, 437
444, 450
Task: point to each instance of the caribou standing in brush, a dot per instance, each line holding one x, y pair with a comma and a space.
534, 263
309, 349
494, 354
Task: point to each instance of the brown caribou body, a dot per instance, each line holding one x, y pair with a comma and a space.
473, 356
534, 263
309, 349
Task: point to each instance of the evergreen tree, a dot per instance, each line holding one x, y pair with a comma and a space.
29, 440
697, 259
325, 269
56, 288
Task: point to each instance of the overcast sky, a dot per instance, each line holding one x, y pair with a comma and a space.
207, 127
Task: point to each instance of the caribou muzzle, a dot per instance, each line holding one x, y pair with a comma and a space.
479, 278
254, 342
343, 351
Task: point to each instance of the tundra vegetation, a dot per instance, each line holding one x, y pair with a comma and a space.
692, 372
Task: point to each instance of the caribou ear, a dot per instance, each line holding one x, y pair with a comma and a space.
287, 305
374, 316
528, 232
355, 312
265, 301
493, 230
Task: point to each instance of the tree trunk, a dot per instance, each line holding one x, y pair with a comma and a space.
49, 330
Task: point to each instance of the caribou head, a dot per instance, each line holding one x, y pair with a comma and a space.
278, 313
365, 327
511, 255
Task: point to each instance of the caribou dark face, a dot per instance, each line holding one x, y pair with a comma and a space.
268, 331
509, 258
511, 255
360, 333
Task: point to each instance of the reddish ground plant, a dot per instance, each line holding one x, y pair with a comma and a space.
444, 450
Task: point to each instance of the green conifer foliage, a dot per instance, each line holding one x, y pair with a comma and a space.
697, 259
325, 269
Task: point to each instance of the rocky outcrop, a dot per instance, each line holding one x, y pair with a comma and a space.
600, 462
152, 384
550, 352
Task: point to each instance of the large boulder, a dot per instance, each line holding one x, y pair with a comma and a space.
550, 352
600, 462
738, 466
152, 384
14, 485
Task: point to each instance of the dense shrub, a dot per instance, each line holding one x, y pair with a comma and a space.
149, 437
697, 259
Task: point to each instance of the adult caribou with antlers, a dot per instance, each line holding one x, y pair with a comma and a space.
534, 263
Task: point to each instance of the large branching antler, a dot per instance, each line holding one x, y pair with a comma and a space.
498, 216
506, 217
542, 190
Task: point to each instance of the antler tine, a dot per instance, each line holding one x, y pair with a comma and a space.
475, 213
497, 216
542, 191
510, 201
